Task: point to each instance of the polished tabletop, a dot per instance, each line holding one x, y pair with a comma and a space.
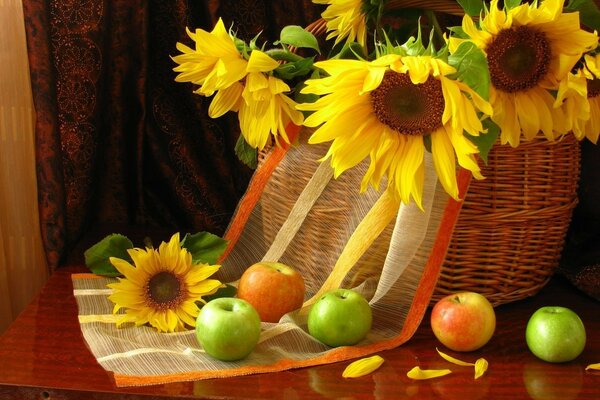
43, 356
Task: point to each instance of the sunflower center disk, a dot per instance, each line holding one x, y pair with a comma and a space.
408, 108
164, 290
518, 58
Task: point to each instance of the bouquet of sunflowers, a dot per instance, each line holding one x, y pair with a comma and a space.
512, 70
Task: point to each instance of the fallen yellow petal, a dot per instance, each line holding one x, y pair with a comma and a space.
593, 366
481, 365
420, 374
362, 367
454, 360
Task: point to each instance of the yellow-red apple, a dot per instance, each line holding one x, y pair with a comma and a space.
463, 321
273, 288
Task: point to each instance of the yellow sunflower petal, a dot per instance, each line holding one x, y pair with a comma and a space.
373, 79
481, 366
200, 272
190, 308
205, 287
422, 374
454, 360
172, 320
185, 318
444, 161
148, 258
159, 321
226, 100
261, 62
362, 367
412, 183
124, 267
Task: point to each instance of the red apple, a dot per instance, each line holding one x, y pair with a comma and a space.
463, 321
273, 288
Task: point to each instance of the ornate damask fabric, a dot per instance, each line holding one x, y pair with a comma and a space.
120, 145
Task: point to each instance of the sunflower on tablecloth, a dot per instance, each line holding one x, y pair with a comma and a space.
162, 287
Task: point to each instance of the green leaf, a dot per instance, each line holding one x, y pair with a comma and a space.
485, 141
297, 36
414, 46
510, 4
472, 69
589, 14
292, 69
471, 7
458, 32
204, 247
246, 153
97, 256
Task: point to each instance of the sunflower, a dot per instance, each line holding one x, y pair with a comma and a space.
574, 103
530, 50
345, 19
384, 109
162, 288
591, 127
216, 65
265, 109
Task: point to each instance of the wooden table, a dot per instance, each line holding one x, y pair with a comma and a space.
43, 356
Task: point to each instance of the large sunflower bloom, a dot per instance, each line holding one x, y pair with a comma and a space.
384, 108
162, 288
216, 65
345, 19
530, 50
265, 109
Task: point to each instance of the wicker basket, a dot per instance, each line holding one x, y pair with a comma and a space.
511, 230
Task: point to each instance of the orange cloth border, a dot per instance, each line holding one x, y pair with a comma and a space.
86, 275
413, 320
255, 190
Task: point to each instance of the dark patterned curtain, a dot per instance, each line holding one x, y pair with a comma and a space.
121, 147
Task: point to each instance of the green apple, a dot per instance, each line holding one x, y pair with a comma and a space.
228, 328
555, 334
341, 317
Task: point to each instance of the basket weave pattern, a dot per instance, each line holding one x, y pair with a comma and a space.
511, 230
